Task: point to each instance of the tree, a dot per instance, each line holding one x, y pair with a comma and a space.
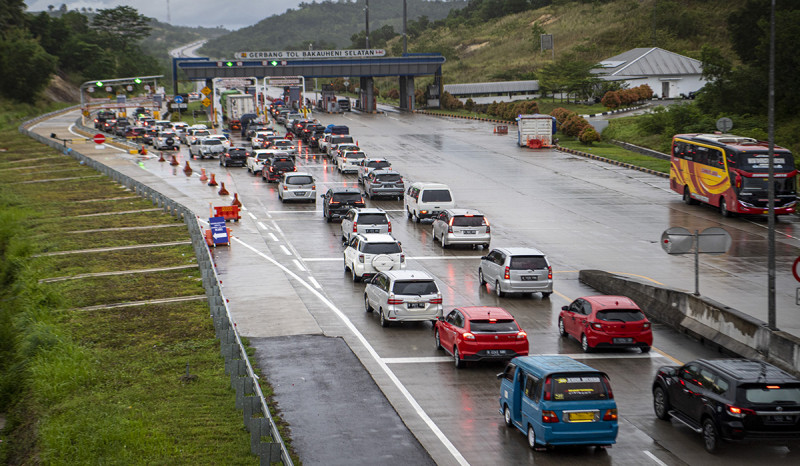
588, 135
12, 13
27, 66
123, 26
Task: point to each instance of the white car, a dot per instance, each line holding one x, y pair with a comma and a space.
167, 139
348, 161
256, 160
180, 128
225, 141
399, 295
366, 255
365, 220
284, 145
369, 164
259, 137
297, 186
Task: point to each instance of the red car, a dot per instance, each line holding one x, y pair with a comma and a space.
606, 322
477, 333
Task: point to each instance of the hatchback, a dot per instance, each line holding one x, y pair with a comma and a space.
365, 221
336, 202
384, 183
477, 333
369, 164
461, 226
349, 160
276, 166
403, 295
606, 322
516, 270
366, 255
234, 156
297, 186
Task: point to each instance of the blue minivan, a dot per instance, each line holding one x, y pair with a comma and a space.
556, 400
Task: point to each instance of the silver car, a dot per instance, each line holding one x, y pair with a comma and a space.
516, 270
461, 226
384, 183
369, 164
365, 220
400, 295
297, 186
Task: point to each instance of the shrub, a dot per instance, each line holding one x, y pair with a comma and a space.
469, 105
611, 99
561, 114
393, 93
574, 125
449, 102
588, 135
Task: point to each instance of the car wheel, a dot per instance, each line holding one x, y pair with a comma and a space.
436, 340
661, 404
481, 278
416, 217
507, 416
585, 344
687, 197
384, 321
710, 437
327, 218
499, 291
531, 438
546, 294
485, 245
723, 208
367, 307
356, 278
645, 349
408, 212
444, 244
561, 330
457, 358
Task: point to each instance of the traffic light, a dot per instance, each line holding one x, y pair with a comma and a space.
228, 63
99, 84
137, 81
273, 63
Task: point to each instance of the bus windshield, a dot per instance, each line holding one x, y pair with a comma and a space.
759, 162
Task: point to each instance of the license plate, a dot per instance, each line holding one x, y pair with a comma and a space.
469, 232
299, 194
623, 340
415, 305
785, 419
495, 352
586, 416
372, 231
529, 278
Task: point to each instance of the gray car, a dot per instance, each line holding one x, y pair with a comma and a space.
516, 270
403, 295
297, 186
384, 183
461, 226
365, 220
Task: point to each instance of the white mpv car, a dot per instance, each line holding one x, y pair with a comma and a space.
365, 255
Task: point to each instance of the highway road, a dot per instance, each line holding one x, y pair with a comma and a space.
283, 275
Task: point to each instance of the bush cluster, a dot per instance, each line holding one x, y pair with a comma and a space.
449, 102
625, 97
510, 110
572, 124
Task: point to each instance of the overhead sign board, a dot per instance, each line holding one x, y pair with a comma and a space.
284, 81
312, 54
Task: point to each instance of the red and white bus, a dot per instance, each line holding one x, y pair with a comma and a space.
731, 173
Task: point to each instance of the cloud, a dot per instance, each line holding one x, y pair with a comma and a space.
230, 14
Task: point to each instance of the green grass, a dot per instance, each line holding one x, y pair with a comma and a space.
126, 259
614, 152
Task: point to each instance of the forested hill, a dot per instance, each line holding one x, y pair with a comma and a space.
328, 24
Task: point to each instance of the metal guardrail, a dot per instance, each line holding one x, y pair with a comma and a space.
265, 439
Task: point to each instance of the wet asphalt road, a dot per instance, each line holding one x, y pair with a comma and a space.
284, 276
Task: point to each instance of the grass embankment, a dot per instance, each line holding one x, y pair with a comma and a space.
102, 386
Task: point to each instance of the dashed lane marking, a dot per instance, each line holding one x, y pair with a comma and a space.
285, 250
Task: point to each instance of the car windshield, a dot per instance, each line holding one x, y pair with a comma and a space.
772, 393
344, 197
493, 326
299, 180
388, 177
381, 248
373, 219
578, 387
528, 263
468, 221
620, 315
436, 195
416, 287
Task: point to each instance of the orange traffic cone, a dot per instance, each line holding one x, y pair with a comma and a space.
212, 182
161, 158
223, 191
236, 200
203, 176
187, 169
143, 150
174, 161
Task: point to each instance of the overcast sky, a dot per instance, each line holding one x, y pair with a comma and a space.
230, 14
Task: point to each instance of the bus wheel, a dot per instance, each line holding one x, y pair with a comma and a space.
723, 208
687, 198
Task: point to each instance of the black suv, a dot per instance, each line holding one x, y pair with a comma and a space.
102, 116
276, 166
730, 399
338, 201
234, 156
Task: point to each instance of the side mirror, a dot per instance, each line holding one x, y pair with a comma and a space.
441, 318
501, 375
322, 196
565, 308
483, 258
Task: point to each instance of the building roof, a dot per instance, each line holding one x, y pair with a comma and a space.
649, 62
491, 88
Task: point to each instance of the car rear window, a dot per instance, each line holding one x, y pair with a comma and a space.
341, 140
528, 262
388, 177
436, 195
355, 155
415, 287
344, 197
283, 143
767, 393
471, 221
238, 152
201, 133
282, 163
578, 387
212, 142
621, 315
493, 326
299, 180
381, 248
373, 219
379, 164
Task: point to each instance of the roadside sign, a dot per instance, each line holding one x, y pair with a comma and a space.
677, 240
176, 105
86, 113
219, 231
205, 90
178, 99
714, 240
724, 124
796, 269
98, 138
206, 102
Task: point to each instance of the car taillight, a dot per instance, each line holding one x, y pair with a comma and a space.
549, 417
390, 227
546, 395
596, 325
521, 335
437, 300
549, 273
393, 300
739, 412
488, 228
468, 336
355, 227
333, 202
646, 325
507, 274
611, 415
285, 188
608, 388
402, 258
361, 258
271, 169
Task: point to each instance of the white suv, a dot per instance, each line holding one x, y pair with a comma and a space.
400, 295
366, 255
365, 220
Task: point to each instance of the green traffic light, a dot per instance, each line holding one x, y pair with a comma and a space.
99, 83
137, 81
230, 63
273, 63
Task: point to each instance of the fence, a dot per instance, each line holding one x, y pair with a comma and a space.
265, 440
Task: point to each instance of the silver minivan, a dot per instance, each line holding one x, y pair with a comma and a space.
403, 295
461, 226
297, 186
365, 220
516, 270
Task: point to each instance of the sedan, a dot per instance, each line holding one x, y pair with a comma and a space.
606, 322
476, 333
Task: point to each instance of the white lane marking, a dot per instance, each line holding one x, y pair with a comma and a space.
653, 457
606, 356
414, 258
273, 237
299, 265
417, 360
374, 354
252, 216
286, 250
261, 225
314, 282
277, 228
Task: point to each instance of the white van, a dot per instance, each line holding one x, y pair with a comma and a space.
426, 200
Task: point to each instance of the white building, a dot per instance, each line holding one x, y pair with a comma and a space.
667, 73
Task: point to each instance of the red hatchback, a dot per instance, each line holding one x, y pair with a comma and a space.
606, 322
479, 333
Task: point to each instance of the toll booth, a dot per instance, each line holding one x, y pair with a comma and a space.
292, 96
327, 101
366, 98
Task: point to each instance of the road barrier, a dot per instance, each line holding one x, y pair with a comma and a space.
265, 439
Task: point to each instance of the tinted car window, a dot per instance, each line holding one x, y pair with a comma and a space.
379, 164
528, 262
282, 163
475, 221
436, 195
620, 315
418, 287
388, 177
578, 387
498, 326
355, 155
381, 248
241, 152
373, 219
344, 197
760, 393
299, 180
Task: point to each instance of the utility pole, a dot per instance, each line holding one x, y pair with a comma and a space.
366, 12
655, 7
405, 18
771, 318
